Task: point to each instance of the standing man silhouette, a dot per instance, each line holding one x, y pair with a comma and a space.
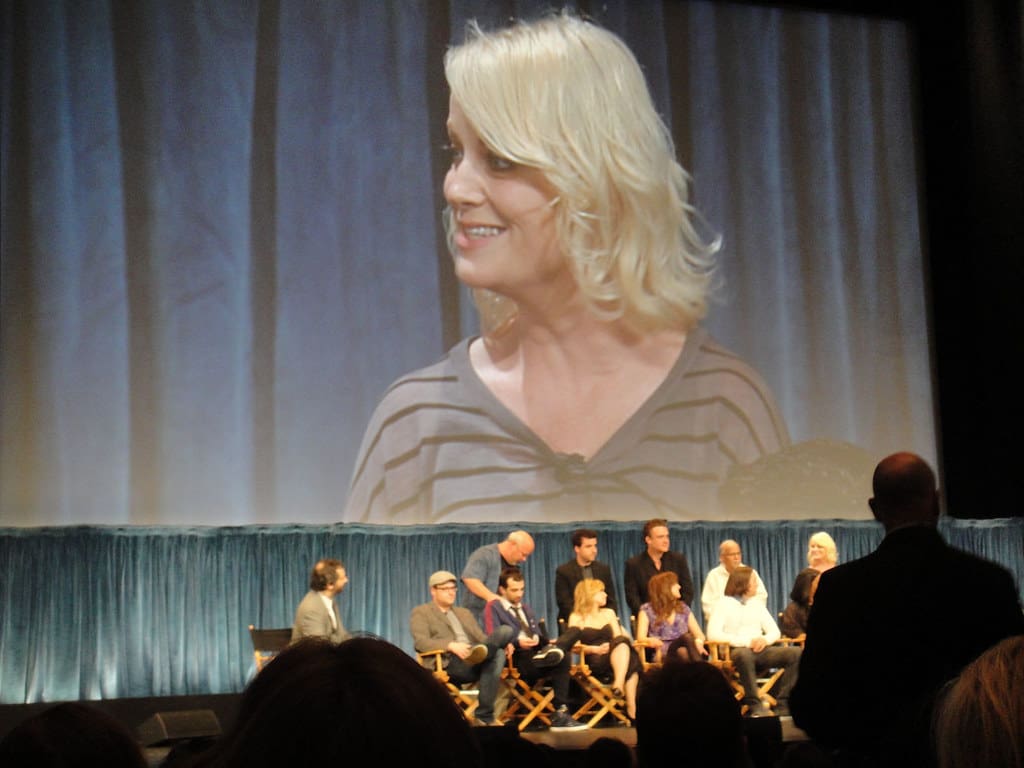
867, 699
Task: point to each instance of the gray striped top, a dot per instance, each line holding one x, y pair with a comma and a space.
440, 447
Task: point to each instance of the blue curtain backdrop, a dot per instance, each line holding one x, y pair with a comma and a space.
93, 612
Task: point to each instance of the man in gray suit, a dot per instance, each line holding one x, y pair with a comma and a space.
317, 614
470, 656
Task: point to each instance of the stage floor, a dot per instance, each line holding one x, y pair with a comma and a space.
583, 739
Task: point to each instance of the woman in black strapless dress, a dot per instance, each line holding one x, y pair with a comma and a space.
609, 650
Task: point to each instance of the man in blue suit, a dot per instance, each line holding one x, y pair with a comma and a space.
534, 655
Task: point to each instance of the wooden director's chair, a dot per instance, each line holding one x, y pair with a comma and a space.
267, 643
720, 656
527, 702
465, 696
600, 699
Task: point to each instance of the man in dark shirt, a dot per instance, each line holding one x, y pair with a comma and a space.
584, 565
657, 558
886, 631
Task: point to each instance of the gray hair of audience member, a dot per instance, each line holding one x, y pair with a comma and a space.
68, 735
318, 703
689, 708
979, 718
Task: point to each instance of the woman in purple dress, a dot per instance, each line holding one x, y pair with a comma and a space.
666, 623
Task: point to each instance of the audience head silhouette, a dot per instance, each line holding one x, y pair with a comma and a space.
606, 752
71, 735
689, 709
980, 719
318, 703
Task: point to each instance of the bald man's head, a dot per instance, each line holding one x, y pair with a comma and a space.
905, 492
517, 547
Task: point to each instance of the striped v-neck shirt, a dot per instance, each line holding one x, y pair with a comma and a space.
440, 447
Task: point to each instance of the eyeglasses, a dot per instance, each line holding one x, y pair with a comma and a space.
447, 586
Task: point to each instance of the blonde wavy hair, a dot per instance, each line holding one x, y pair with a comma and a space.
828, 543
568, 98
583, 596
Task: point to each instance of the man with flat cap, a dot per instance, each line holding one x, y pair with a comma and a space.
470, 655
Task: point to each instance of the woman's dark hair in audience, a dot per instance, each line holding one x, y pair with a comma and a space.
739, 581
70, 735
979, 719
687, 712
362, 702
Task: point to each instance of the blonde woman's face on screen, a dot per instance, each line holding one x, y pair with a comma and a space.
504, 235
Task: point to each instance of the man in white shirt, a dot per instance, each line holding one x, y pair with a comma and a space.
317, 614
730, 557
742, 621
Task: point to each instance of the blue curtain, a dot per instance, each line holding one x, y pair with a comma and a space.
95, 612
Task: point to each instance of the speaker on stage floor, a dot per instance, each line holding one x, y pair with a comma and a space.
164, 728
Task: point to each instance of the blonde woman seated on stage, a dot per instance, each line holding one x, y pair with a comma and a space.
609, 650
667, 623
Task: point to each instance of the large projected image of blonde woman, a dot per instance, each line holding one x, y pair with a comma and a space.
593, 391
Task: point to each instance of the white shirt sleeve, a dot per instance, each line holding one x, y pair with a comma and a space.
769, 627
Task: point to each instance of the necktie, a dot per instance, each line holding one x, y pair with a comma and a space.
523, 623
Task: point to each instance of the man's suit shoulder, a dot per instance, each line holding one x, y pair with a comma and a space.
566, 569
423, 609
984, 568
